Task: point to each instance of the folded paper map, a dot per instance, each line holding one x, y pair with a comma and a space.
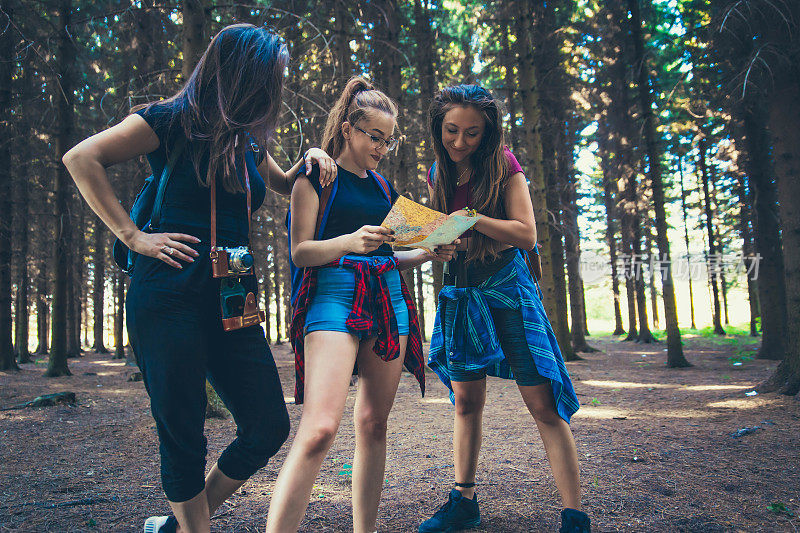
417, 226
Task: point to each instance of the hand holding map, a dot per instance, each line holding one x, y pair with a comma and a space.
417, 226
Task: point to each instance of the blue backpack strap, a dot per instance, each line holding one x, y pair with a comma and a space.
432, 173
326, 195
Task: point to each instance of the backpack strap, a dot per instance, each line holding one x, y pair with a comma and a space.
177, 150
387, 191
325, 202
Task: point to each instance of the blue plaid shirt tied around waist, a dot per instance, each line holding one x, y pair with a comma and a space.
471, 343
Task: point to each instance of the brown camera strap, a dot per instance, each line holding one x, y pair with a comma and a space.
212, 185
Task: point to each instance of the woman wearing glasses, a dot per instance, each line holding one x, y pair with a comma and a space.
352, 310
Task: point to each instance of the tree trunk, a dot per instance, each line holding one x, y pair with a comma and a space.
625, 174
78, 254
572, 239
57, 364
712, 247
609, 201
560, 321
22, 314
7, 61
675, 356
686, 240
194, 34
651, 278
42, 309
119, 316
645, 335
341, 43
532, 139
509, 81
767, 233
98, 292
723, 284
784, 115
745, 216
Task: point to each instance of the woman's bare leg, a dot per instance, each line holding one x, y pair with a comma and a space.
377, 386
193, 515
558, 442
468, 430
329, 357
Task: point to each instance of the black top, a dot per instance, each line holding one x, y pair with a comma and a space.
187, 205
358, 202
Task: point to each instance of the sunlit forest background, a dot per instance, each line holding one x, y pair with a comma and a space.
654, 134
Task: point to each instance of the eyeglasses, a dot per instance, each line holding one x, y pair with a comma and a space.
391, 144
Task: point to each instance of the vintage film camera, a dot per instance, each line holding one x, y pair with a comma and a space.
239, 307
227, 262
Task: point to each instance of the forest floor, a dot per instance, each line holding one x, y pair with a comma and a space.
656, 446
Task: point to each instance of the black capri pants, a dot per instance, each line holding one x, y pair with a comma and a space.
176, 333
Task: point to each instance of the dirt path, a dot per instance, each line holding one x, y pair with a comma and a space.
656, 450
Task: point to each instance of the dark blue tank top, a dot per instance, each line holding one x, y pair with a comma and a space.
187, 205
358, 202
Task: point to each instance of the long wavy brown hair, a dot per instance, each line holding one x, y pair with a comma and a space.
357, 100
232, 96
490, 169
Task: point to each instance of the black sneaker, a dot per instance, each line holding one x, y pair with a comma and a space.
574, 521
457, 513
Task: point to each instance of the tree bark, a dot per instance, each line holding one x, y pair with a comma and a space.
194, 34
340, 47
745, 232
645, 335
767, 232
560, 321
57, 364
7, 360
784, 116
675, 357
22, 314
532, 139
42, 309
572, 239
686, 240
75, 283
119, 316
98, 292
712, 247
609, 201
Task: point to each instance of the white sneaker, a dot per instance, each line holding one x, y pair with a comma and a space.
155, 523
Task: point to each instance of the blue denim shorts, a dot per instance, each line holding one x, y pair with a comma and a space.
333, 297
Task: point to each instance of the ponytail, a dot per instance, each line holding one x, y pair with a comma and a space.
358, 97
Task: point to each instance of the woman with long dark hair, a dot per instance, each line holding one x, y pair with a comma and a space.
490, 319
208, 133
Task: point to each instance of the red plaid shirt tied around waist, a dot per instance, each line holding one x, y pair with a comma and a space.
371, 314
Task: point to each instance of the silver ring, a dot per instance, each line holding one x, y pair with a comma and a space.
167, 250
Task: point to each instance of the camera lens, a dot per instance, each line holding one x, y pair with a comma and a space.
240, 260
